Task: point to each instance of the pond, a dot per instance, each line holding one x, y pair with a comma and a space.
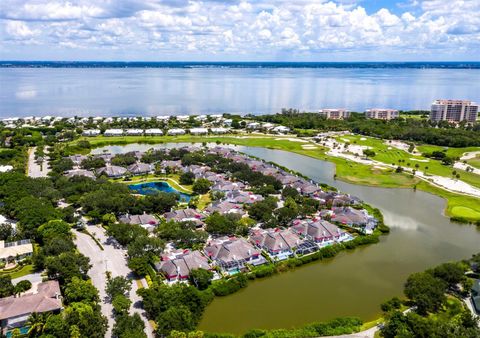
150, 188
353, 283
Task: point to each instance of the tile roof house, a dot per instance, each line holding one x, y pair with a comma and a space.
44, 297
231, 254
139, 168
320, 231
225, 207
279, 244
228, 186
153, 131
178, 268
145, 220
185, 215
77, 159
243, 197
80, 172
354, 218
112, 171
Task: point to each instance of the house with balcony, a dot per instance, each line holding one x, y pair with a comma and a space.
279, 244
233, 254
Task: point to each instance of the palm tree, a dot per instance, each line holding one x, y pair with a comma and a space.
36, 322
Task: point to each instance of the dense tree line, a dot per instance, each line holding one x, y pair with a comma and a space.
428, 294
422, 131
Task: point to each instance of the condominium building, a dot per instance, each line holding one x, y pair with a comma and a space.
381, 114
335, 114
454, 111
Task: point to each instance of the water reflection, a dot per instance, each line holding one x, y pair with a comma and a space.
133, 91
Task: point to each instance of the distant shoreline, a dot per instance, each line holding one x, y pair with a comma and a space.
253, 64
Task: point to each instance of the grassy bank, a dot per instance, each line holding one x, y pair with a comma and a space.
458, 206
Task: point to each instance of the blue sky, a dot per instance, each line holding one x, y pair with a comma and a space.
243, 30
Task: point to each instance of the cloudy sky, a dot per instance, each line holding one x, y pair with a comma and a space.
225, 30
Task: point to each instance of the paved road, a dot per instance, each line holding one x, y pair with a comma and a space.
370, 333
110, 259
35, 169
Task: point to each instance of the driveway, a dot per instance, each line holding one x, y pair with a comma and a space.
33, 278
110, 259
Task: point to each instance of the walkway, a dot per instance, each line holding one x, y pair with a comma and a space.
111, 259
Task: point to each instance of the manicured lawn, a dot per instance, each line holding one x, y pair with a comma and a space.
203, 201
23, 271
391, 155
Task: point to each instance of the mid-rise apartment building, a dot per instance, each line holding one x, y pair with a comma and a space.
454, 111
335, 114
381, 114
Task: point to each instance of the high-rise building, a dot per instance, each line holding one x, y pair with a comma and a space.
381, 114
335, 114
454, 111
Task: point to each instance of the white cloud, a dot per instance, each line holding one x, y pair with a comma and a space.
261, 27
19, 30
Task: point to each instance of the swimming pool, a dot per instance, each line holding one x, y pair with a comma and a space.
153, 187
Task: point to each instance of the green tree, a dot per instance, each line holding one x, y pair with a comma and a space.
426, 291
121, 304
201, 186
22, 286
88, 319
175, 318
66, 266
118, 286
187, 178
79, 290
6, 286
200, 278
129, 326
36, 323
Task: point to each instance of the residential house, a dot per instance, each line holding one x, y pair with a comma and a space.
15, 310
15, 250
77, 159
232, 254
91, 132
134, 132
320, 231
112, 171
80, 172
279, 244
219, 130
253, 125
178, 268
186, 215
113, 132
153, 132
225, 207
176, 131
281, 130
139, 168
354, 218
199, 131
145, 220
242, 197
